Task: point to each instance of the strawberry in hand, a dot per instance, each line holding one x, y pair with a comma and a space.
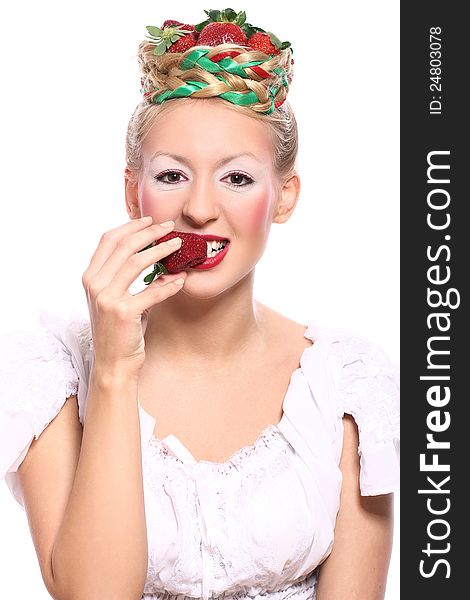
193, 251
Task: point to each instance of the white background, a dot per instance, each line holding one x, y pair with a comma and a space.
70, 83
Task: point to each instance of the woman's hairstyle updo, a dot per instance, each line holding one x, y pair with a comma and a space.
163, 72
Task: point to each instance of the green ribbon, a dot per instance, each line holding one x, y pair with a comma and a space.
183, 91
198, 58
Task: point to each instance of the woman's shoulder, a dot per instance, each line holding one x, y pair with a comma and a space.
280, 327
357, 377
41, 365
351, 349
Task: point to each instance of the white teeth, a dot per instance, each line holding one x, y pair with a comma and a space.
214, 246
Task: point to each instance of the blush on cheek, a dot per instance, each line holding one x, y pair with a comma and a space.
150, 206
257, 217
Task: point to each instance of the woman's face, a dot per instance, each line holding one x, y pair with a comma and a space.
210, 169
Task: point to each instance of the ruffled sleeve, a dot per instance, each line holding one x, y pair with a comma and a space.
39, 369
368, 389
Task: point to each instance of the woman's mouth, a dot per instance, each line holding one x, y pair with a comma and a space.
216, 250
215, 247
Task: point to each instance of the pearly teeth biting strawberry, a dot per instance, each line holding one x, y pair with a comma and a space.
193, 251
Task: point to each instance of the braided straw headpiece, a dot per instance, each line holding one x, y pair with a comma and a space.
236, 73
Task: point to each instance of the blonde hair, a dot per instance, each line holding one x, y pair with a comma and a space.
160, 73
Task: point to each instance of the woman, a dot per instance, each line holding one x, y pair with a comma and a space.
193, 441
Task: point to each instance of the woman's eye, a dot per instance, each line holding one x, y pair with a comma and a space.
236, 179
173, 177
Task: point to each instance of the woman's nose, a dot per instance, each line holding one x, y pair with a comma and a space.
202, 204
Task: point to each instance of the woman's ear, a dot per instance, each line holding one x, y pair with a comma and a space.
288, 196
131, 186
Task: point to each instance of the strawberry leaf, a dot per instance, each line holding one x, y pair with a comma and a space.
175, 38
284, 45
228, 14
214, 15
241, 18
274, 40
160, 49
200, 26
248, 30
154, 31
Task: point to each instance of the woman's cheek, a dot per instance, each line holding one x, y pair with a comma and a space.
149, 205
258, 216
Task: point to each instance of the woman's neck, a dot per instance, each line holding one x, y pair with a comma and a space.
208, 330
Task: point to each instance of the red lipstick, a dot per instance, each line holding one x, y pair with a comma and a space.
212, 261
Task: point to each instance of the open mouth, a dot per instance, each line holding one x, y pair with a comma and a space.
215, 246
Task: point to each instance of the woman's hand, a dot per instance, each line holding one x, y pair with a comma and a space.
118, 318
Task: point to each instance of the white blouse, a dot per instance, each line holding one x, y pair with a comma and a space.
259, 523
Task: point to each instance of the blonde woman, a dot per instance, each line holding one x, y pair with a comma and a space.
189, 441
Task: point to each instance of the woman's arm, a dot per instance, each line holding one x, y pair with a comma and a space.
358, 564
101, 548
87, 518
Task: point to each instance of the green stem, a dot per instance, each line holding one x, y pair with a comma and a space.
159, 269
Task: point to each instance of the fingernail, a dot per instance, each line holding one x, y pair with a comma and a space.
174, 241
167, 224
179, 281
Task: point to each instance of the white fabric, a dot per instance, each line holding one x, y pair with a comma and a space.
258, 523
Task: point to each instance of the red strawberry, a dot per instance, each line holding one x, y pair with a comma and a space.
217, 33
262, 42
173, 37
192, 251
171, 23
183, 44
186, 41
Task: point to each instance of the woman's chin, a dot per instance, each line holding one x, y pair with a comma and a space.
203, 285
200, 292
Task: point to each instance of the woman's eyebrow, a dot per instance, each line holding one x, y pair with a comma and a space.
220, 163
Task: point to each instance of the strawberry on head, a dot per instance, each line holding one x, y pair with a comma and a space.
214, 34
224, 26
267, 42
172, 36
221, 27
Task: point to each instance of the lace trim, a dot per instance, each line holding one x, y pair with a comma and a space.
305, 587
271, 438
